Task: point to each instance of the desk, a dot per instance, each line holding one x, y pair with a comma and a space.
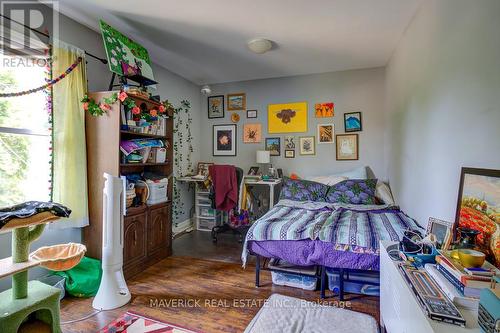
272, 184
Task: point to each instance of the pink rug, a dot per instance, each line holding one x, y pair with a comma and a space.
131, 322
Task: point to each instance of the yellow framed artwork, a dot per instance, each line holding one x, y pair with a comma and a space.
287, 118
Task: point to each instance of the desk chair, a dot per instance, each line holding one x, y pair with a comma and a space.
240, 231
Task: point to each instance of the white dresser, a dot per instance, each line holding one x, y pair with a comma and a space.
400, 311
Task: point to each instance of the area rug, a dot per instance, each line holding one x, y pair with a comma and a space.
283, 314
132, 322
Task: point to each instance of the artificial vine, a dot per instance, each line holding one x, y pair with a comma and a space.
183, 149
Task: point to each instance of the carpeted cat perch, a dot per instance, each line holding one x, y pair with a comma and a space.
32, 300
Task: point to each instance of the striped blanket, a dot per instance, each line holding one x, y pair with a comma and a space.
354, 228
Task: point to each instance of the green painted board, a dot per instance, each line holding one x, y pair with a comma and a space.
119, 48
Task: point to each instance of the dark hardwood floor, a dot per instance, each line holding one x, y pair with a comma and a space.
218, 294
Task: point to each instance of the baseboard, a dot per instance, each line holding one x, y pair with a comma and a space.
182, 227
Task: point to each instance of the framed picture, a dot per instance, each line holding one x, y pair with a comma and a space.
224, 140
326, 133
352, 122
254, 171
252, 133
251, 113
289, 153
323, 110
289, 142
306, 145
439, 228
215, 107
274, 146
287, 118
236, 102
347, 147
478, 208
203, 168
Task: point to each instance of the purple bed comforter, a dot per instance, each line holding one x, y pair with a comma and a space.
309, 252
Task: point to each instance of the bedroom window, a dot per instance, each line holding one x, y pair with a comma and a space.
25, 136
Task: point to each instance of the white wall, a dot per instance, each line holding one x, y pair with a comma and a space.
443, 100
171, 86
355, 90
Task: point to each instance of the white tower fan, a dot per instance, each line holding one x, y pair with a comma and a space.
113, 292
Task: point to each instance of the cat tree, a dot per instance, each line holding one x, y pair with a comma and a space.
28, 300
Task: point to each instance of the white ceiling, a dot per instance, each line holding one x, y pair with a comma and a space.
205, 40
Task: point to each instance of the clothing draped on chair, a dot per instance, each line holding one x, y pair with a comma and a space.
69, 148
225, 186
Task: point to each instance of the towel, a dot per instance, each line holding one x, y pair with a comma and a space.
225, 186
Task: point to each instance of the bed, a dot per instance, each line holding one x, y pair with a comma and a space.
334, 234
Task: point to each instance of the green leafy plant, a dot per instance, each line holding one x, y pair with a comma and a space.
183, 149
98, 109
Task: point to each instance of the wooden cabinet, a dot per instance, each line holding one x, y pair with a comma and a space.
134, 236
147, 229
158, 235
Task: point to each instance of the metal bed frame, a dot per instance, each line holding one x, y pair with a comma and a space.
320, 274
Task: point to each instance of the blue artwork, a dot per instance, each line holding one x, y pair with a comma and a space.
352, 122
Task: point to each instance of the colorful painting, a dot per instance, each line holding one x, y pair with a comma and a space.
224, 140
326, 133
216, 107
274, 146
478, 208
236, 102
252, 133
306, 145
352, 122
123, 53
287, 118
289, 142
347, 147
323, 110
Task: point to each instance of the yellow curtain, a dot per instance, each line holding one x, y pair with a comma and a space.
69, 149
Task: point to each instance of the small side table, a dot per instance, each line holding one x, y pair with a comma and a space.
271, 183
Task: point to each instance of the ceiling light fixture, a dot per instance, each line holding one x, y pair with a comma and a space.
206, 90
260, 45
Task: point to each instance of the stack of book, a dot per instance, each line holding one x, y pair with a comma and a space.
462, 285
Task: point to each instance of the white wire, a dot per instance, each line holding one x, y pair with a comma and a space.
81, 319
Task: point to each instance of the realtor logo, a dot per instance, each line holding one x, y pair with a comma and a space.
19, 23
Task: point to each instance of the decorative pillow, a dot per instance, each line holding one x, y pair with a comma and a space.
353, 191
383, 193
303, 190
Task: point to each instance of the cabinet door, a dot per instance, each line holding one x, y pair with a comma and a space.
158, 229
134, 247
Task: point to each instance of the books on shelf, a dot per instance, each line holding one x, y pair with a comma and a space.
454, 267
453, 293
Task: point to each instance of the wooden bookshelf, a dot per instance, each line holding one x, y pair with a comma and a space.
147, 229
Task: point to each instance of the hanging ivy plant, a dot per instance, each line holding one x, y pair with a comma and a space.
183, 149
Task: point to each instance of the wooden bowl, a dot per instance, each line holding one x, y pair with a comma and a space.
471, 258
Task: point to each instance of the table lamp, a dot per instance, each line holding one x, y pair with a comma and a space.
264, 157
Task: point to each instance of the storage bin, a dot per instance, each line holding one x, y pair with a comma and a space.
294, 280
290, 275
55, 281
354, 287
206, 224
157, 191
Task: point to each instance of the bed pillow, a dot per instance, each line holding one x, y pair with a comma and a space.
328, 180
358, 173
353, 191
383, 193
303, 190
